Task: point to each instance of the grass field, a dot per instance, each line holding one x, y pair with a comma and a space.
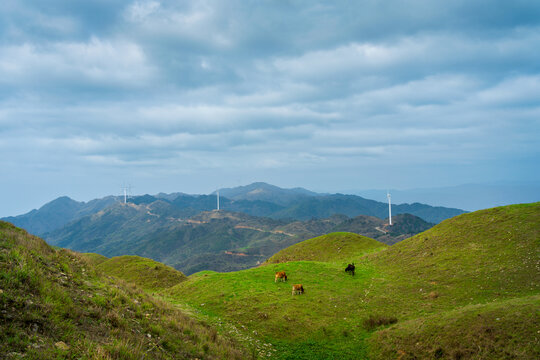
435, 286
334, 247
255, 303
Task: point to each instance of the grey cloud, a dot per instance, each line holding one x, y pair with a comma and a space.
95, 63
282, 89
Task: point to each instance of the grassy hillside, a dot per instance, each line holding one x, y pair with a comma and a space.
93, 258
497, 330
329, 248
53, 305
145, 273
489, 254
466, 289
325, 322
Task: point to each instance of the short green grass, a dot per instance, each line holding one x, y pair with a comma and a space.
258, 305
94, 259
145, 273
505, 329
330, 248
481, 261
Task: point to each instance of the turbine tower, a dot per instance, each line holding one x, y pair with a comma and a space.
126, 189
218, 199
389, 208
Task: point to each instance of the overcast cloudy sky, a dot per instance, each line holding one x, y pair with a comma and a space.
328, 95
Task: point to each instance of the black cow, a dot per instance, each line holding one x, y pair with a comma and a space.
350, 269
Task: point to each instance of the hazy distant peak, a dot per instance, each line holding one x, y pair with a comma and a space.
266, 192
60, 200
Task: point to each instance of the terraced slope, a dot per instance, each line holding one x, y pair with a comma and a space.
466, 289
53, 305
145, 273
329, 248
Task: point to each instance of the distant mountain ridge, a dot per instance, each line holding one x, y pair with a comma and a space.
210, 240
257, 199
57, 213
470, 197
266, 192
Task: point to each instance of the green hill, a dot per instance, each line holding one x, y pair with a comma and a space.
332, 247
466, 289
485, 255
94, 259
54, 305
493, 330
145, 273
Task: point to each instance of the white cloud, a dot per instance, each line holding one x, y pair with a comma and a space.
514, 91
423, 54
199, 22
140, 10
96, 62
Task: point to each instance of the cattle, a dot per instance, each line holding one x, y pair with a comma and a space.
281, 276
297, 289
350, 269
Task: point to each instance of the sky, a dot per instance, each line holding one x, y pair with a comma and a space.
191, 96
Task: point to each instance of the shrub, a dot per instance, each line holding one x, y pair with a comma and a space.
374, 321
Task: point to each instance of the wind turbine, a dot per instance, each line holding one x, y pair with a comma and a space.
389, 208
127, 190
217, 199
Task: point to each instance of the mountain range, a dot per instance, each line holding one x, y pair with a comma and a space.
211, 240
57, 213
186, 232
470, 197
257, 199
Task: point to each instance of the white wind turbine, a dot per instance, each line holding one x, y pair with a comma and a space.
389, 208
127, 191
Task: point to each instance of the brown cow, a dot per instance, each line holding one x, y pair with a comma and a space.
297, 289
281, 275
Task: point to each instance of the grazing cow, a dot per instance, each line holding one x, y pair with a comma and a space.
281, 275
297, 289
350, 269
